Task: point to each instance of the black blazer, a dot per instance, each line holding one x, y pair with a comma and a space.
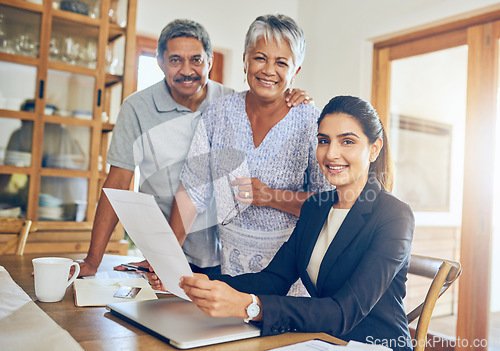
361, 282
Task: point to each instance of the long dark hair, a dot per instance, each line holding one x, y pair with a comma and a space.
371, 125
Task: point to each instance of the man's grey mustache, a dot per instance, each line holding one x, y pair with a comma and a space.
187, 79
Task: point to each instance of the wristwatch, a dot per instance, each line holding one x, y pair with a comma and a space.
253, 309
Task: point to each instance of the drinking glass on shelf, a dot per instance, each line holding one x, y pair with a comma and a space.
71, 50
3, 33
54, 51
88, 55
25, 45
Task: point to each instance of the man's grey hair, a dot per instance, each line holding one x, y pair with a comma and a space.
183, 28
278, 27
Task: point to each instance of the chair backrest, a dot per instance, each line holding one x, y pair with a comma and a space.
21, 227
443, 273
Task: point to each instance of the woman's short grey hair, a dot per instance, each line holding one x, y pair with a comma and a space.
278, 27
184, 28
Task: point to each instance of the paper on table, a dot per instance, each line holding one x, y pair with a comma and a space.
311, 345
115, 275
320, 345
359, 346
99, 292
146, 225
24, 325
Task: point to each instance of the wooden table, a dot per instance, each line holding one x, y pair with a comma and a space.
94, 328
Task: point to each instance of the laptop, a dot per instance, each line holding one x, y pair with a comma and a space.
182, 323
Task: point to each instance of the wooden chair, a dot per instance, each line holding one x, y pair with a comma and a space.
21, 227
443, 273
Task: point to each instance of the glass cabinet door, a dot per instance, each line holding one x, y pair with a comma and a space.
15, 151
16, 137
63, 199
17, 85
74, 67
71, 94
66, 147
19, 31
14, 194
76, 45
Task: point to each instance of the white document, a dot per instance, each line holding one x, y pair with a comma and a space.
115, 275
148, 228
311, 345
359, 346
320, 345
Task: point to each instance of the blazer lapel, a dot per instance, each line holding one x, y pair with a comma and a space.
349, 229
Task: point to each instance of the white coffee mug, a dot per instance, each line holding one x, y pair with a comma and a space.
51, 277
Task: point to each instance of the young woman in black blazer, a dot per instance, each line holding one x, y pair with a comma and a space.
351, 246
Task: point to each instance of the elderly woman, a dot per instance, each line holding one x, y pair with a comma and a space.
254, 154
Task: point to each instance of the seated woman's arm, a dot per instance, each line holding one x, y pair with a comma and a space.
376, 269
373, 272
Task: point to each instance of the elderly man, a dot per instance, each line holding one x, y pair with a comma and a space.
154, 130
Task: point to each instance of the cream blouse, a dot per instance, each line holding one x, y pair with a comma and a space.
330, 229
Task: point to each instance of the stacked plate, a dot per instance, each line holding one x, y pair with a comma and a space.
7, 210
17, 158
50, 208
65, 161
83, 114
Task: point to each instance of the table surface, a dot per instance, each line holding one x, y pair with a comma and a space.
94, 328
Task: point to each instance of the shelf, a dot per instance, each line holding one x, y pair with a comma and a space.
69, 120
112, 79
7, 169
17, 114
73, 24
64, 172
49, 225
107, 127
66, 67
73, 17
115, 32
25, 60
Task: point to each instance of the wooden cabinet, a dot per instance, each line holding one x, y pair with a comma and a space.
65, 67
